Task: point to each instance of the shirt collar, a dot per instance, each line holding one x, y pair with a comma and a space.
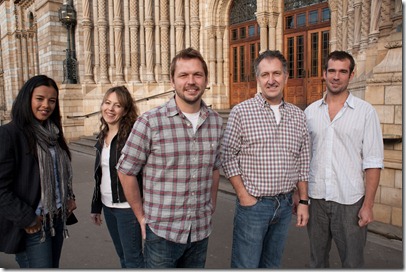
172, 109
261, 100
349, 102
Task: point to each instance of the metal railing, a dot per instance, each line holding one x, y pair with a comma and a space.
136, 101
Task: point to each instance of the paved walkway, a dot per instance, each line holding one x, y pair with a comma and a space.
90, 246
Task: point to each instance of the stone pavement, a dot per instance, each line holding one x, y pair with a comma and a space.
90, 246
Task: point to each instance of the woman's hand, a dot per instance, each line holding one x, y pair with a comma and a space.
96, 218
70, 207
35, 226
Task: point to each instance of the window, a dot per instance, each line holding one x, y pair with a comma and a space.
313, 17
325, 15
235, 65
252, 57
290, 23
242, 63
314, 54
234, 35
290, 60
251, 30
300, 71
242, 33
301, 20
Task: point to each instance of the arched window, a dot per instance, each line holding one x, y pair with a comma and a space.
243, 11
30, 20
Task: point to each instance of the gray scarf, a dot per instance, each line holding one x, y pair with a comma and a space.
47, 137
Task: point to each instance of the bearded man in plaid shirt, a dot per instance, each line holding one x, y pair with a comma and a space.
265, 155
178, 147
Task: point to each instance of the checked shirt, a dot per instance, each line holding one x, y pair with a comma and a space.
178, 169
270, 158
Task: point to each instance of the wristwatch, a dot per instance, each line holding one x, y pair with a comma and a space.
304, 202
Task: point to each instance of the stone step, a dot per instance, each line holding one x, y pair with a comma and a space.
84, 145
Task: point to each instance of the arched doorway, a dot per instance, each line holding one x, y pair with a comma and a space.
306, 46
244, 49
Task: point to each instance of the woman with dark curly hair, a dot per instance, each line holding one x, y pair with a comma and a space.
118, 116
35, 177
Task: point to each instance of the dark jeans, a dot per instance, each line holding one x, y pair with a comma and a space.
331, 220
160, 253
45, 254
125, 232
260, 232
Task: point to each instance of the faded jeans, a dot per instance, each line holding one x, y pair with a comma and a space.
44, 254
125, 232
260, 232
160, 253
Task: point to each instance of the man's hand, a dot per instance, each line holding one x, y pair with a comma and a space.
365, 216
302, 215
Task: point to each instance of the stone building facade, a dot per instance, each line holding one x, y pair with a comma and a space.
132, 42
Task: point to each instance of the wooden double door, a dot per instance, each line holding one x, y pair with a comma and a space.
305, 46
244, 49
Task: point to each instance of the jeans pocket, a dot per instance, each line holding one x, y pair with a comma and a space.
246, 207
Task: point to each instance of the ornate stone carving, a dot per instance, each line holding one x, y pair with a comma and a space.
365, 23
164, 24
87, 32
118, 41
134, 42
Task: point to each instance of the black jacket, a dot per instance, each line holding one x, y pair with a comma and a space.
20, 188
116, 188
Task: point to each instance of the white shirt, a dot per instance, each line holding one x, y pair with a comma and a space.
105, 186
193, 118
276, 112
342, 149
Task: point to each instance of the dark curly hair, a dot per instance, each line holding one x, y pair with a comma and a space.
128, 119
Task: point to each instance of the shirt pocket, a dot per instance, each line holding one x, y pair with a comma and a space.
209, 152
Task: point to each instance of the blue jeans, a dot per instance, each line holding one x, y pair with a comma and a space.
333, 221
125, 232
260, 232
160, 253
45, 254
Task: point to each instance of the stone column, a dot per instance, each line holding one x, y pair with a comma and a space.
179, 25
350, 25
164, 24
149, 25
211, 31
344, 26
195, 24
397, 17
386, 23
334, 21
20, 77
273, 21
31, 54
103, 25
142, 39
219, 57
118, 41
87, 32
366, 6
374, 23
24, 55
262, 19
134, 31
357, 24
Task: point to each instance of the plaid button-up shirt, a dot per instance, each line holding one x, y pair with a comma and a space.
270, 158
177, 167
